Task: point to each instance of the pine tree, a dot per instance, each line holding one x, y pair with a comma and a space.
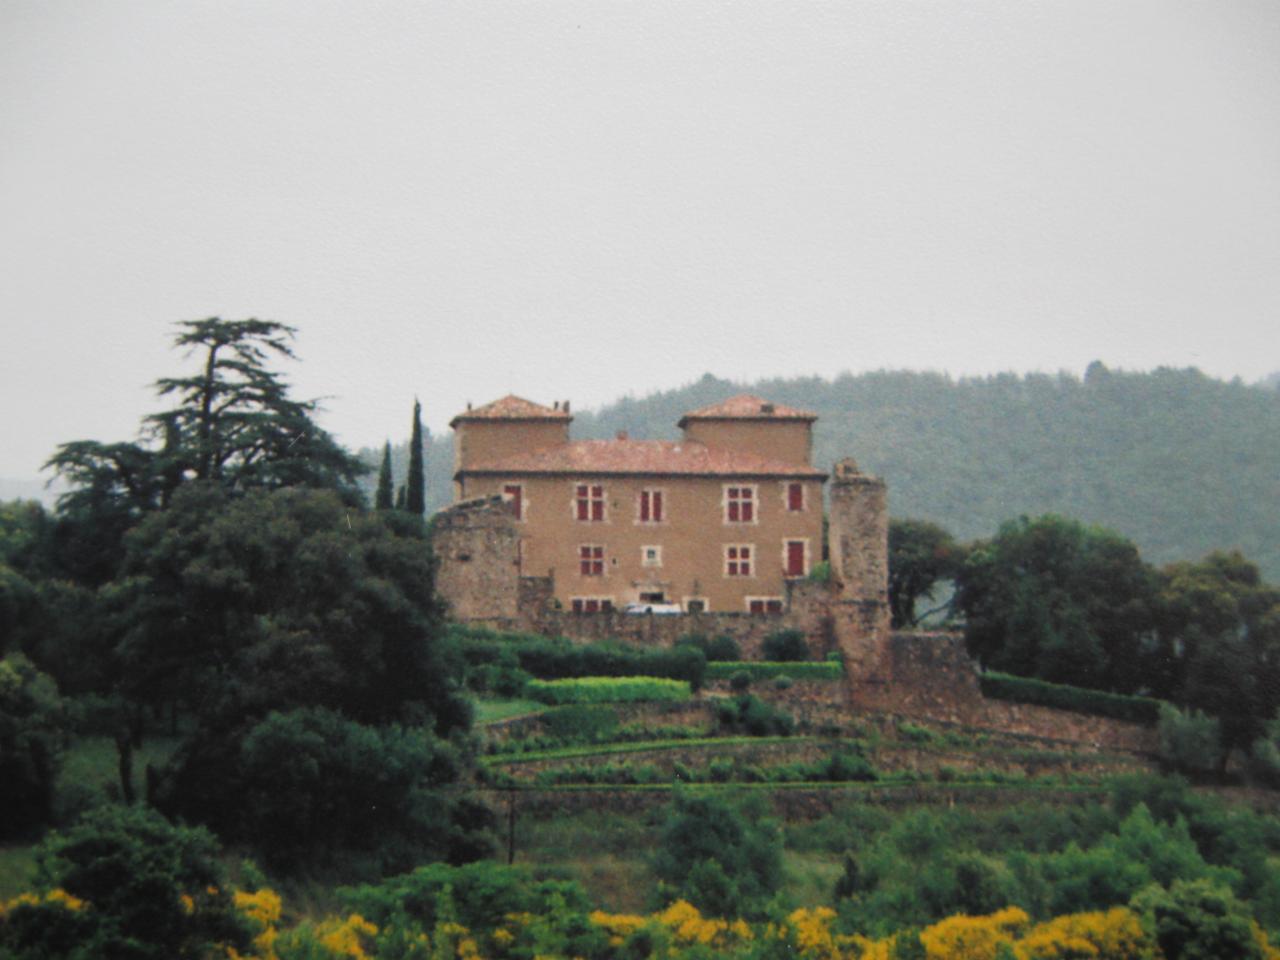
382, 499
416, 494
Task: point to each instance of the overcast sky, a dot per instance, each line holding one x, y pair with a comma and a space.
584, 200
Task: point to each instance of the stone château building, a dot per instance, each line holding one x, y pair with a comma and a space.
718, 521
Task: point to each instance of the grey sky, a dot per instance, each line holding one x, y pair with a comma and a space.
583, 200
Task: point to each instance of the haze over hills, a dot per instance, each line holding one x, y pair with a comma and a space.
1179, 462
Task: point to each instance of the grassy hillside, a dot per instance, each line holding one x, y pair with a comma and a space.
1177, 461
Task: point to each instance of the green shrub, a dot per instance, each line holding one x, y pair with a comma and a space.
782, 682
820, 572
1190, 742
1004, 686
607, 690
33, 728
580, 723
751, 715
765, 670
786, 646
740, 681
548, 659
133, 868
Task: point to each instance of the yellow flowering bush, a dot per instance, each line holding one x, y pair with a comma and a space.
1116, 934
973, 938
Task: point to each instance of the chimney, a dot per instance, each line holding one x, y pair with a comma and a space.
556, 405
566, 406
468, 404
622, 435
766, 408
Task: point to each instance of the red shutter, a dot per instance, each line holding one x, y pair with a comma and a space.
757, 607
644, 506
597, 509
748, 508
795, 558
795, 497
657, 506
514, 491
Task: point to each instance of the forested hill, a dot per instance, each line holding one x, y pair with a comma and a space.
1177, 461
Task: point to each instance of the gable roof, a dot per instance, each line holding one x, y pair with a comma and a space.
649, 457
512, 407
746, 406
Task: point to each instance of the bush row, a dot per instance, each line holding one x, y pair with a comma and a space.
765, 670
1003, 686
846, 765
485, 652
606, 690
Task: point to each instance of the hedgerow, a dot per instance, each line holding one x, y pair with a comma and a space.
1004, 686
607, 690
767, 670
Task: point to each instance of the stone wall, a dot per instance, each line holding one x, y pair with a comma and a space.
476, 547
934, 679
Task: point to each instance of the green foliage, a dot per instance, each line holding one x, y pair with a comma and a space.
1264, 755
921, 554
607, 690
1190, 742
740, 681
764, 670
316, 604
724, 859
33, 731
580, 723
383, 495
749, 714
549, 659
1057, 600
415, 485
1003, 686
134, 869
785, 646
299, 787
1198, 920
721, 647
820, 572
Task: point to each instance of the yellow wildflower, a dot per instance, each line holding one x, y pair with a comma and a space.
972, 938
342, 938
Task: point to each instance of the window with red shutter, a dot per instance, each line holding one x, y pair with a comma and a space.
513, 493
738, 560
795, 497
795, 558
588, 502
650, 506
740, 505
591, 560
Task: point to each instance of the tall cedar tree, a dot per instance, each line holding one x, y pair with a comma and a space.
416, 496
382, 499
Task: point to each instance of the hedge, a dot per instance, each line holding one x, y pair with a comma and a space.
607, 690
556, 659
766, 670
1118, 706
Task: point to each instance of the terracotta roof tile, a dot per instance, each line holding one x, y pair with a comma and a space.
512, 407
661, 457
746, 406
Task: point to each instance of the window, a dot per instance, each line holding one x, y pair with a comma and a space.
795, 497
513, 493
589, 498
650, 556
591, 604
793, 564
759, 606
651, 506
740, 505
591, 560
738, 560
653, 597
695, 605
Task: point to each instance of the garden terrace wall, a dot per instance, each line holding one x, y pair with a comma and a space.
934, 679
806, 610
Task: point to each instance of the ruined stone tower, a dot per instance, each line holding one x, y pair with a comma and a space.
858, 537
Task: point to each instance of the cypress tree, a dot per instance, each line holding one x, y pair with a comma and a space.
416, 494
382, 499
400, 497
